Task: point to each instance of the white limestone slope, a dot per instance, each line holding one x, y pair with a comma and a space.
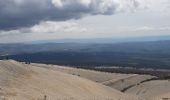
152, 90
27, 82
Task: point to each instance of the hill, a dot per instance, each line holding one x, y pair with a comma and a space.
145, 87
26, 82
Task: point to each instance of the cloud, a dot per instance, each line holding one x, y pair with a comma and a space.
16, 14
57, 27
142, 29
48, 27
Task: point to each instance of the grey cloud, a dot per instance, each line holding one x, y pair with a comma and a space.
16, 14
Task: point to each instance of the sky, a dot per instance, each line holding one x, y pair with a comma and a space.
32, 20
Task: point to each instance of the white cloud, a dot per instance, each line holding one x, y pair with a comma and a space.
159, 5
147, 28
48, 27
57, 27
142, 29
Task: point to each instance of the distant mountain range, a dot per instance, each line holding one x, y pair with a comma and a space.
149, 46
106, 40
155, 54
